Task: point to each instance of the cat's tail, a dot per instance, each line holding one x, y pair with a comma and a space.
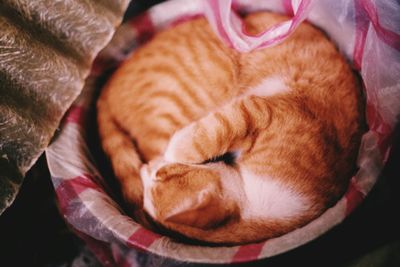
125, 159
219, 132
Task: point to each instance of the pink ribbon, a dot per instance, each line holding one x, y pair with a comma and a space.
228, 25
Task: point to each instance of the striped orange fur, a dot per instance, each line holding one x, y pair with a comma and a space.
232, 148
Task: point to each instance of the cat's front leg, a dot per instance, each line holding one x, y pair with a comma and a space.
219, 132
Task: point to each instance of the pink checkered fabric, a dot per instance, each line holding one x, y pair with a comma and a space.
366, 33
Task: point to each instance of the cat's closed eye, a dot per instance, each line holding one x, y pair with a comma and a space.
229, 158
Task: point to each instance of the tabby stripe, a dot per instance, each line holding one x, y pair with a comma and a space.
222, 63
254, 137
187, 69
219, 140
172, 39
175, 176
183, 65
179, 103
147, 111
179, 64
174, 122
256, 146
248, 121
225, 126
194, 52
205, 48
157, 134
146, 108
254, 153
263, 107
167, 71
189, 92
140, 88
199, 148
171, 119
258, 107
146, 56
224, 122
143, 84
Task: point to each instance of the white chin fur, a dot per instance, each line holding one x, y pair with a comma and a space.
260, 197
266, 197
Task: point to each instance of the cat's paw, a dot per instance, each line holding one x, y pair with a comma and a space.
184, 148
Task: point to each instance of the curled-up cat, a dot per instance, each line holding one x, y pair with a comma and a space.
228, 147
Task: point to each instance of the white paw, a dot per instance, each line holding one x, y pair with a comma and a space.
176, 145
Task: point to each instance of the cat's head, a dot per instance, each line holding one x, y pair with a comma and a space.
187, 198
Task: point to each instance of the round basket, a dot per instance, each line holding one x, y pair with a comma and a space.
89, 205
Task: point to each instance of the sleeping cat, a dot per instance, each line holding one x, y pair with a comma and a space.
228, 147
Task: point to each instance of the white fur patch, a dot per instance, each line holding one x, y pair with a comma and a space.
267, 198
231, 182
148, 183
172, 147
269, 86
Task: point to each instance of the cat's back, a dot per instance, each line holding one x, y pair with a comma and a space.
310, 68
177, 77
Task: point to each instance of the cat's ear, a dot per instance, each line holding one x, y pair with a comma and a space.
203, 210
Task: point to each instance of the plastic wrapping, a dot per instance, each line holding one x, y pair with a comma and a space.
365, 31
46, 50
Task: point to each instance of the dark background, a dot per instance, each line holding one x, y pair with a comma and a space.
32, 233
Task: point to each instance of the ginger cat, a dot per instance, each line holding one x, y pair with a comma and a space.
232, 148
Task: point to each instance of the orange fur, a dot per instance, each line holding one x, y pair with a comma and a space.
181, 104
